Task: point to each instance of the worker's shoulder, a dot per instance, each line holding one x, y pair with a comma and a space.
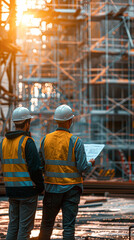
47, 135
74, 138
1, 139
29, 140
77, 140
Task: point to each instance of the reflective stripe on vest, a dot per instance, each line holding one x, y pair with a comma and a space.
72, 176
15, 170
1, 155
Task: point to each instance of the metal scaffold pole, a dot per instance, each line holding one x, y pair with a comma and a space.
78, 53
8, 51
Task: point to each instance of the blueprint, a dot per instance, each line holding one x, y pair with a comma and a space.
93, 150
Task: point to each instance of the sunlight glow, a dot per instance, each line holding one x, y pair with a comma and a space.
26, 19
5, 12
35, 31
34, 50
34, 103
43, 25
47, 89
49, 26
34, 233
37, 86
44, 46
43, 38
7, 27
23, 18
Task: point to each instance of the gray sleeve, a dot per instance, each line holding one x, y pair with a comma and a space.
42, 154
81, 159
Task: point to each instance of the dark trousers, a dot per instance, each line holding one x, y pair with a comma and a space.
21, 216
52, 203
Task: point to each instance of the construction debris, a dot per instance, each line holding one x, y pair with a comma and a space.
110, 219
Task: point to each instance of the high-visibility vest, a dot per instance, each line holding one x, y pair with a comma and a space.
58, 150
14, 166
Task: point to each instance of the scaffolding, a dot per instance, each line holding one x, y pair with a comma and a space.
8, 50
81, 53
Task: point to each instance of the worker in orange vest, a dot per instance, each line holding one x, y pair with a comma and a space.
22, 174
64, 160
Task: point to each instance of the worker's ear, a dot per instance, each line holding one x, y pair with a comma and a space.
71, 122
27, 126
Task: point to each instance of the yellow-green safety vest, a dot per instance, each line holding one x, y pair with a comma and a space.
58, 150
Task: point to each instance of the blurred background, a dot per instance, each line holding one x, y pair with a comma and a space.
75, 52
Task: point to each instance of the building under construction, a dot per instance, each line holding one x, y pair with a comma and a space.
77, 52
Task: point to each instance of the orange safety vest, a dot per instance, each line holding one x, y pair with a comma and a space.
14, 166
58, 150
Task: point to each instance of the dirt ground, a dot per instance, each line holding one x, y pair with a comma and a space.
98, 218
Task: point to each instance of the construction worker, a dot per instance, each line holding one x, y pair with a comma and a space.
64, 160
22, 175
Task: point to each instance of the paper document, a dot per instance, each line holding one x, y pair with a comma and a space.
93, 150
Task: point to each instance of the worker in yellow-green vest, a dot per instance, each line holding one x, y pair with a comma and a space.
63, 157
21, 168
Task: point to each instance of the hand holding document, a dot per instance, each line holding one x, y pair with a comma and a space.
92, 161
93, 150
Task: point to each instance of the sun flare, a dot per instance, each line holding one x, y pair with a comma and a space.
23, 17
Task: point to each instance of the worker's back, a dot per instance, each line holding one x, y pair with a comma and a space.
60, 164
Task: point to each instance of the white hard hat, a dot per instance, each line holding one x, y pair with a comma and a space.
20, 114
63, 113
